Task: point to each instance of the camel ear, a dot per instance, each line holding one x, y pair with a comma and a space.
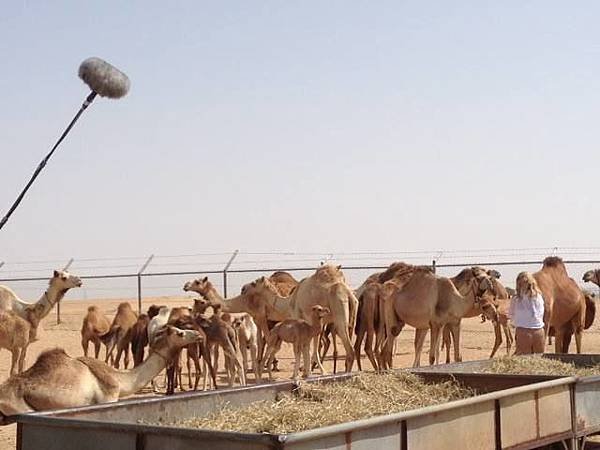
205, 279
339, 267
56, 274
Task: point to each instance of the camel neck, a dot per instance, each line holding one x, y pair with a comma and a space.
236, 304
213, 296
280, 307
51, 297
135, 379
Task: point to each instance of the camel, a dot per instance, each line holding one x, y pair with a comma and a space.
247, 334
194, 351
284, 283
120, 333
16, 334
57, 380
367, 321
428, 302
463, 283
58, 286
94, 329
157, 321
564, 304
298, 332
139, 339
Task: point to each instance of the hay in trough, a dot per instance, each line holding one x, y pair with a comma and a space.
316, 405
537, 365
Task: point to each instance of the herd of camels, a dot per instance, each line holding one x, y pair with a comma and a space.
269, 311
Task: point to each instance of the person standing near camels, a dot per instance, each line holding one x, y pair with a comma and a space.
527, 314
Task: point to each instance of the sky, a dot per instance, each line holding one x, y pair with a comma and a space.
302, 126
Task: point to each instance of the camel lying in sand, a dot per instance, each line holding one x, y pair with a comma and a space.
57, 380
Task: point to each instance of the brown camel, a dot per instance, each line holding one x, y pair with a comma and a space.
16, 334
57, 380
564, 303
299, 333
284, 283
367, 322
139, 339
120, 333
94, 329
428, 302
194, 352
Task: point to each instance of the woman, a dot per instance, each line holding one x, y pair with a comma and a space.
527, 314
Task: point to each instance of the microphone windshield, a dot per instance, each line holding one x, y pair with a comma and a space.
103, 78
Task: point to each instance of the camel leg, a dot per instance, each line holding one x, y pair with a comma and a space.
434, 350
15, 357
84, 344
22, 359
558, 339
244, 352
97, 349
316, 358
420, 335
297, 362
305, 350
270, 352
253, 355
446, 341
497, 338
335, 350
205, 350
455, 331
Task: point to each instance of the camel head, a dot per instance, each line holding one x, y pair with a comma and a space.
169, 339
64, 281
319, 311
200, 285
259, 285
328, 273
591, 276
153, 310
200, 306
494, 273
388, 289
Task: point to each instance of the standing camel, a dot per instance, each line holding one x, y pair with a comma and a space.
120, 333
94, 329
57, 381
564, 304
58, 286
427, 302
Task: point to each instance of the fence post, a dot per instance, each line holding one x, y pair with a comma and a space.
1, 263
235, 253
139, 281
58, 304
433, 267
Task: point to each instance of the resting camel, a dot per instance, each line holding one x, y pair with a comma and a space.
428, 302
94, 329
57, 380
564, 304
299, 333
58, 286
120, 333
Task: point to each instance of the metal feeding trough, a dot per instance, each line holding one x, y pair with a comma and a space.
585, 395
510, 412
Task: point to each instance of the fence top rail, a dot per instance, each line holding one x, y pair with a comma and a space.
299, 269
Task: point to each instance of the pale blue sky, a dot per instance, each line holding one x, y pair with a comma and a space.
309, 126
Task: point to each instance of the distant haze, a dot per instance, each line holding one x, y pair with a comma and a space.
302, 126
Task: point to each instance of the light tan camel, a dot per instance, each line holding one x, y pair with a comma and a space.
299, 333
564, 303
57, 380
58, 286
427, 302
464, 284
120, 333
247, 335
94, 329
15, 336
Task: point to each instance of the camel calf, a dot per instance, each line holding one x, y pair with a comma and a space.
247, 335
95, 326
120, 333
298, 332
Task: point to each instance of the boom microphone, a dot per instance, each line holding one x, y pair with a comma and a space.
104, 80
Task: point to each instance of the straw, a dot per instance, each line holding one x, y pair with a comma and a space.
537, 365
316, 405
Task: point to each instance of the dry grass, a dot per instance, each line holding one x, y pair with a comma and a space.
536, 365
319, 404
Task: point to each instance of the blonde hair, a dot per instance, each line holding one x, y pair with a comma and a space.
527, 286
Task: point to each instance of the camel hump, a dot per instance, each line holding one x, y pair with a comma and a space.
555, 262
102, 371
48, 361
590, 311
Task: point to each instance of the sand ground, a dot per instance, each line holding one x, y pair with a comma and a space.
477, 340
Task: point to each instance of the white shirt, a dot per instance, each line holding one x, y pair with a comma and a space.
527, 312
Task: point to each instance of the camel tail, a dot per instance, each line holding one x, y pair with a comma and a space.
359, 314
590, 312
